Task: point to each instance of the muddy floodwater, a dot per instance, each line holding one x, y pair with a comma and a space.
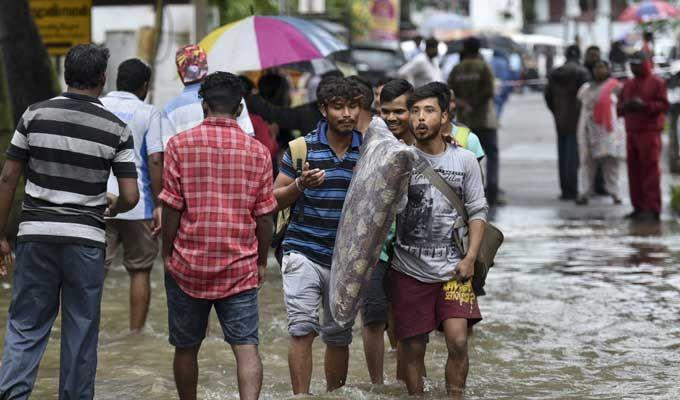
576, 310
582, 304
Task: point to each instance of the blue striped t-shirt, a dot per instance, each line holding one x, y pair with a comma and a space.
314, 236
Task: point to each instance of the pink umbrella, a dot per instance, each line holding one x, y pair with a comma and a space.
649, 11
261, 42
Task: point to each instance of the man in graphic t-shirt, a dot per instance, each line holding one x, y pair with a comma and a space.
430, 280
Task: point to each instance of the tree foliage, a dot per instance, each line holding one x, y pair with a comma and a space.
336, 10
233, 10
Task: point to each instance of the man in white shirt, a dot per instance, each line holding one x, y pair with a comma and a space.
138, 228
185, 111
424, 67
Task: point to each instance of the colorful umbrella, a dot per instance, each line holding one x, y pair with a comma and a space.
649, 11
261, 42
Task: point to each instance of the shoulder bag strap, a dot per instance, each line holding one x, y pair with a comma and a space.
298, 156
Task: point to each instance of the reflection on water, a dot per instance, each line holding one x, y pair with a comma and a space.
576, 310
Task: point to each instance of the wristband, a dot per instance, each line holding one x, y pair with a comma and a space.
300, 187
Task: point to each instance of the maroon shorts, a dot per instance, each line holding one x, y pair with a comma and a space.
419, 308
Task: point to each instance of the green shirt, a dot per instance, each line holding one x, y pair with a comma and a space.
387, 245
473, 144
473, 82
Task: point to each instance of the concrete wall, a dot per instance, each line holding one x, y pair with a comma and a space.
118, 28
487, 14
597, 33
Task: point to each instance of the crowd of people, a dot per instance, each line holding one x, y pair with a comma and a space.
208, 172
601, 120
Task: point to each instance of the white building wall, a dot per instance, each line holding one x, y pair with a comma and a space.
118, 27
488, 14
600, 33
591, 34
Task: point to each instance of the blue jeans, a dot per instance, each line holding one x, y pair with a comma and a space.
45, 274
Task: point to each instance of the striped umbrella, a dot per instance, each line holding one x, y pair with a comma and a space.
261, 42
649, 11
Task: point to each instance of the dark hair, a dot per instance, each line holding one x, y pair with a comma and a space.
84, 66
471, 46
394, 89
274, 88
382, 81
366, 91
443, 88
593, 48
573, 53
336, 88
431, 42
132, 75
603, 62
426, 92
222, 91
248, 84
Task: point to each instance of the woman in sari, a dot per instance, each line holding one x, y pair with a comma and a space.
601, 134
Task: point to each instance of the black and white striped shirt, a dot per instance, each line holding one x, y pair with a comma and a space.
70, 144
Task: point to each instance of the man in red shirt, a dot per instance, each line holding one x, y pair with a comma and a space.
217, 200
643, 103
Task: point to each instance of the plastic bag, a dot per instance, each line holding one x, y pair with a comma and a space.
377, 192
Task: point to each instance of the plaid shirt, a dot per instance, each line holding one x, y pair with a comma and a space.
221, 180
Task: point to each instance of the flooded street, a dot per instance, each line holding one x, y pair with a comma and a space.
582, 304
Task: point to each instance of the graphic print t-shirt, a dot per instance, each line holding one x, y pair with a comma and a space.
425, 248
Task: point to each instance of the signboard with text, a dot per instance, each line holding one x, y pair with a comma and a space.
62, 23
385, 19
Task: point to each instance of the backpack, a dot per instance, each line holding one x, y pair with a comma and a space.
298, 157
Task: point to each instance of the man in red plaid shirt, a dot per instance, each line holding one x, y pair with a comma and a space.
218, 197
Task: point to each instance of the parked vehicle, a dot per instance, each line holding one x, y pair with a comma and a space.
543, 53
373, 60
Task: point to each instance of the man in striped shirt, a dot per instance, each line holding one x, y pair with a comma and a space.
332, 153
67, 145
138, 228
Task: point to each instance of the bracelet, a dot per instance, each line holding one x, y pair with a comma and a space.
299, 185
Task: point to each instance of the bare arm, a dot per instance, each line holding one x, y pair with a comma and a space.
9, 179
170, 225
476, 228
155, 161
264, 226
466, 266
128, 197
11, 172
286, 190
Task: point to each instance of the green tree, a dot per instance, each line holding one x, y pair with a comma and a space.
233, 10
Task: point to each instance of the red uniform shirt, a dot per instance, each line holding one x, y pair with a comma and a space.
221, 180
652, 90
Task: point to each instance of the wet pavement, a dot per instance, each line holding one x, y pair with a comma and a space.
582, 304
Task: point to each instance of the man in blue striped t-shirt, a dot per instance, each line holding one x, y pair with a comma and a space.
332, 153
67, 146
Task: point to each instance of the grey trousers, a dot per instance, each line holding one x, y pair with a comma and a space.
45, 275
